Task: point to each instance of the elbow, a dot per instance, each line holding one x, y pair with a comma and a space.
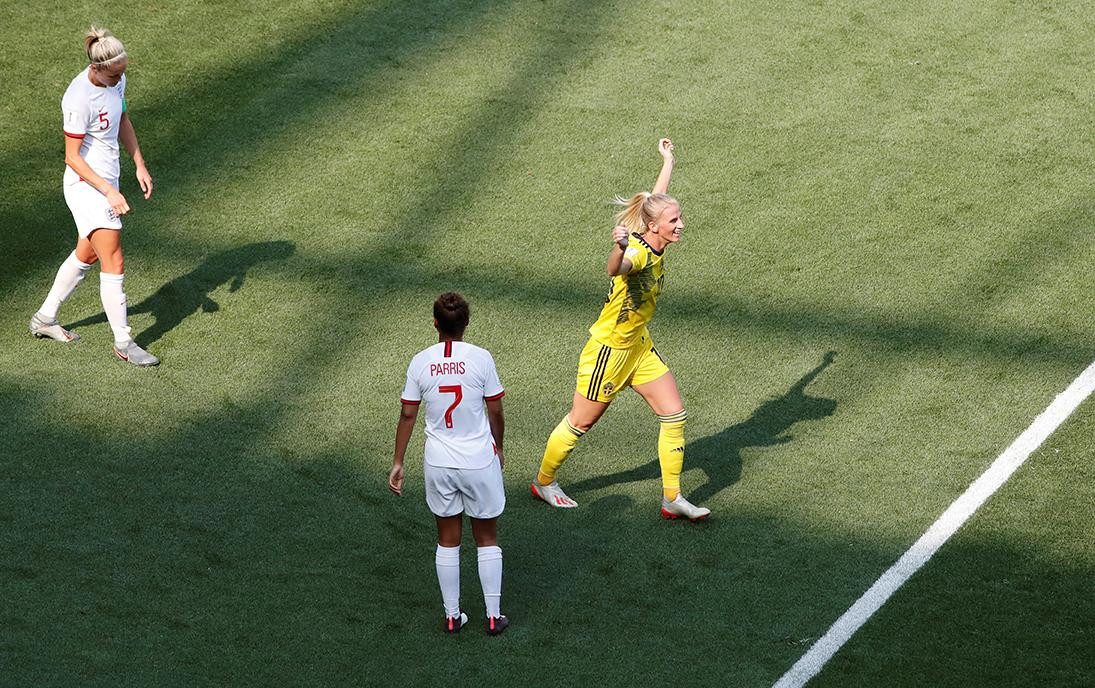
74, 160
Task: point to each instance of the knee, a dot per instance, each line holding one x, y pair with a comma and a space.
582, 427
580, 424
114, 264
485, 540
86, 256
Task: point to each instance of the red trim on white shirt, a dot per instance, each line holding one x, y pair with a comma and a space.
448, 348
74, 136
496, 396
412, 403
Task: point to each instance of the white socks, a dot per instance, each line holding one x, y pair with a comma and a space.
69, 276
111, 291
490, 577
447, 560
113, 296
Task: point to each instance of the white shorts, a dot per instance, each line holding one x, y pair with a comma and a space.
90, 209
478, 492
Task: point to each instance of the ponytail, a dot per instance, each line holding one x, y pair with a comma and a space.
632, 208
641, 209
102, 47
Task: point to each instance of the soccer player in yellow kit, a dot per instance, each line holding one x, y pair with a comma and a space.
620, 353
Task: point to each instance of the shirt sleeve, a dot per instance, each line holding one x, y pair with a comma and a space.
76, 114
637, 257
411, 393
492, 387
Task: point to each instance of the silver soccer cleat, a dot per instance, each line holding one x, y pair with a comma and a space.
134, 354
553, 495
682, 508
42, 328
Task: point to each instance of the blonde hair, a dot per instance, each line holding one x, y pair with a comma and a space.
641, 209
102, 47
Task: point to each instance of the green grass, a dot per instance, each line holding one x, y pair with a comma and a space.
908, 187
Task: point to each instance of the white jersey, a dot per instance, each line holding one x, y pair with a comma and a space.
94, 113
455, 379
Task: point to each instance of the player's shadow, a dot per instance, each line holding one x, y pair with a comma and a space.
720, 455
187, 294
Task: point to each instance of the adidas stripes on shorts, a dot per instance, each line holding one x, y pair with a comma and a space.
603, 372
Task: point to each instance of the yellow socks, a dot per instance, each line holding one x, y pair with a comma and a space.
560, 442
671, 452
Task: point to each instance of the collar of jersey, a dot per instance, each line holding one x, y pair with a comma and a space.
643, 241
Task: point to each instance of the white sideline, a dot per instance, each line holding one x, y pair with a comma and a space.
952, 519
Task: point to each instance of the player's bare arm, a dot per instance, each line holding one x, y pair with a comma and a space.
403, 429
76, 161
665, 149
497, 427
617, 264
129, 140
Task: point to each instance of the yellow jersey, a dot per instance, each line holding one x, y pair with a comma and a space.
631, 301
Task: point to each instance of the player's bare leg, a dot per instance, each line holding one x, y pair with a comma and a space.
485, 531
447, 563
661, 395
664, 399
583, 414
85, 251
107, 245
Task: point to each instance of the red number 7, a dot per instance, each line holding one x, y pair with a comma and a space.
451, 389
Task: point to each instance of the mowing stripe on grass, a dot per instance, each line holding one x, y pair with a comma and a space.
945, 526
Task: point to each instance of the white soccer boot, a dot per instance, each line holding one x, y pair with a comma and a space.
42, 328
682, 508
553, 495
131, 353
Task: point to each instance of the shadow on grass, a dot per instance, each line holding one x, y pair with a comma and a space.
369, 45
719, 456
361, 47
186, 295
197, 558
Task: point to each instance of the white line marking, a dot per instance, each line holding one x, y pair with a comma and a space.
945, 526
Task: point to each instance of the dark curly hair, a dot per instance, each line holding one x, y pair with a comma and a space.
451, 312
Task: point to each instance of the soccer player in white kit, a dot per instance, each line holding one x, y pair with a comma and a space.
463, 463
95, 118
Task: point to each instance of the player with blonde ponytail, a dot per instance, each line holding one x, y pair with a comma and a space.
620, 353
95, 119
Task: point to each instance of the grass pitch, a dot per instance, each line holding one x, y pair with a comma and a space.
885, 276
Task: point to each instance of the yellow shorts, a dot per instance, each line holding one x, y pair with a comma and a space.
604, 371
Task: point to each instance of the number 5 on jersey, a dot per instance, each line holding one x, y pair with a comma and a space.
451, 389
